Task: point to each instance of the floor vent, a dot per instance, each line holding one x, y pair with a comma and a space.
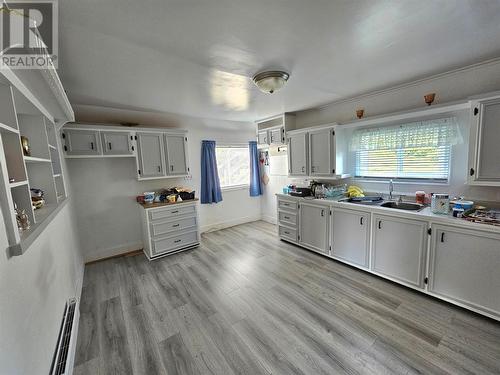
62, 362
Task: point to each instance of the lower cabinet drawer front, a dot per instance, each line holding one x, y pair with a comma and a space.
287, 205
166, 245
288, 218
161, 213
290, 234
163, 227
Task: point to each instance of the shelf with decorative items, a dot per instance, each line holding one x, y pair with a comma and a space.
32, 188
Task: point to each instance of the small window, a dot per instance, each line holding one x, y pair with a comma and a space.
233, 165
413, 152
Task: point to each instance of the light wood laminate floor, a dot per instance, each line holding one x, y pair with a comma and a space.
245, 302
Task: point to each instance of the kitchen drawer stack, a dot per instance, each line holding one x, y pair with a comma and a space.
288, 219
171, 228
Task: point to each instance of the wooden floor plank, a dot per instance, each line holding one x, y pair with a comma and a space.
245, 302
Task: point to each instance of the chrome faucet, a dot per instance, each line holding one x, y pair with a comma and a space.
391, 189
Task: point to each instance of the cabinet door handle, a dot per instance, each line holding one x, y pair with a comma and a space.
109, 145
442, 236
361, 220
172, 168
471, 172
312, 168
380, 224
303, 169
175, 225
159, 168
91, 145
322, 212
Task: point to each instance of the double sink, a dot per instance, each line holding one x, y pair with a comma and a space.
397, 205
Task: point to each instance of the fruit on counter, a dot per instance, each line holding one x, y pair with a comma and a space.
355, 191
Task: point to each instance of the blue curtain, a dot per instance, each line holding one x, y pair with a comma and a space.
210, 184
255, 188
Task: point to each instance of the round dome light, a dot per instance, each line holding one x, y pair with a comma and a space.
270, 81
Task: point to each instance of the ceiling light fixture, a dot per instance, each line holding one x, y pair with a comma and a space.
270, 81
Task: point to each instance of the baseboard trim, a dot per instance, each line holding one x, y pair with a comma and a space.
126, 254
229, 223
269, 219
103, 254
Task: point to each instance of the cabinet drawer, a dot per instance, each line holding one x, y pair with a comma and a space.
165, 245
163, 227
289, 234
161, 213
287, 205
287, 218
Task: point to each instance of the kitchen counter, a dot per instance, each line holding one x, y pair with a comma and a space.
424, 214
163, 204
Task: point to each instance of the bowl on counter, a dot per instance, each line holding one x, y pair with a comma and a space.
465, 205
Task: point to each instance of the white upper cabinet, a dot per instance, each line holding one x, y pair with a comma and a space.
322, 152
150, 156
484, 154
399, 247
297, 154
277, 136
350, 236
314, 223
176, 153
464, 267
117, 143
82, 142
263, 137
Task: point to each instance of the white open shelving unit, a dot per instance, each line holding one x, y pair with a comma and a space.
24, 111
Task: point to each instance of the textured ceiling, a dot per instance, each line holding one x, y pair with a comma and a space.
197, 57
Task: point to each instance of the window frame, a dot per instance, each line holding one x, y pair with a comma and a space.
233, 145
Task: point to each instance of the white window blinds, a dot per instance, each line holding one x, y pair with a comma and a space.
413, 151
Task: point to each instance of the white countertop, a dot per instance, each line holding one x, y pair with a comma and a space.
424, 214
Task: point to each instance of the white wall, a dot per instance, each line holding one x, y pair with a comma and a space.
105, 189
33, 290
456, 85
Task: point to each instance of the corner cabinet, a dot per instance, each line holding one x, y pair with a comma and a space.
82, 142
484, 153
464, 267
314, 225
399, 248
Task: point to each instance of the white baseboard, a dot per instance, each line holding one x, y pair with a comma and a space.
117, 250
228, 223
269, 219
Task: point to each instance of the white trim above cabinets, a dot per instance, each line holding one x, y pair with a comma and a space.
159, 153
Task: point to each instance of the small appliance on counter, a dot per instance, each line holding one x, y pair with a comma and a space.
440, 203
301, 192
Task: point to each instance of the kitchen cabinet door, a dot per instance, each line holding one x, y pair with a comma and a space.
314, 225
350, 236
399, 248
117, 143
485, 133
297, 154
176, 151
82, 142
262, 138
321, 152
464, 267
150, 155
277, 136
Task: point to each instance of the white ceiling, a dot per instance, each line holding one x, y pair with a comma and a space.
197, 57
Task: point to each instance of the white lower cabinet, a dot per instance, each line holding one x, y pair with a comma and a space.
350, 240
169, 228
314, 225
464, 267
399, 248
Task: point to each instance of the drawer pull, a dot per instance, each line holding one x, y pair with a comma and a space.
286, 217
380, 224
286, 232
286, 204
175, 225
174, 212
361, 220
442, 236
177, 241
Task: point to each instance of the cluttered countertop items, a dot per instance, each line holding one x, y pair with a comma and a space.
436, 204
166, 197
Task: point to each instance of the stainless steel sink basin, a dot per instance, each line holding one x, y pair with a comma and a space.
403, 206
